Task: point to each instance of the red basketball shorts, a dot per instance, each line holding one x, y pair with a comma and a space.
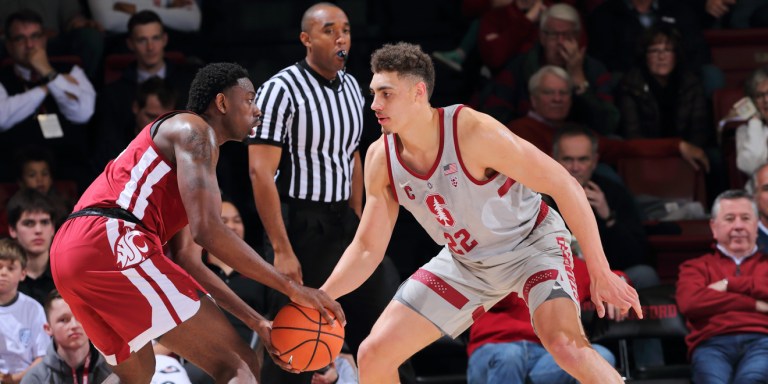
119, 284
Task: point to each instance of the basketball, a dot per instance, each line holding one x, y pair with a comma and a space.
305, 338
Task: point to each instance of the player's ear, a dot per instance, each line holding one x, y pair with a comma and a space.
221, 102
421, 89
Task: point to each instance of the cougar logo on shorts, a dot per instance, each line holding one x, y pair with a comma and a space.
436, 205
130, 248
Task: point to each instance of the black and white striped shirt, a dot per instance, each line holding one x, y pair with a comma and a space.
319, 124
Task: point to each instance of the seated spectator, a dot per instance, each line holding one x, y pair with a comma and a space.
168, 368
616, 26
24, 342
504, 348
66, 28
342, 370
30, 222
71, 354
618, 221
153, 98
752, 135
40, 104
180, 15
758, 186
506, 97
34, 170
551, 105
659, 97
724, 297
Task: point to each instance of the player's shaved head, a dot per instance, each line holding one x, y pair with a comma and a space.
310, 15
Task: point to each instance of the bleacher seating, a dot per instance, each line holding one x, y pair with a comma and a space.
738, 52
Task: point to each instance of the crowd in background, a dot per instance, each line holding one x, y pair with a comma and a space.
585, 81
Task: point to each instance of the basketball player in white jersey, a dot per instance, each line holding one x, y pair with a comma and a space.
473, 185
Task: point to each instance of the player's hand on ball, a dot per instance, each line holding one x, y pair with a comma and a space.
264, 330
315, 298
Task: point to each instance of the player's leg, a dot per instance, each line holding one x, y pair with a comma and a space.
138, 368
399, 333
558, 326
209, 341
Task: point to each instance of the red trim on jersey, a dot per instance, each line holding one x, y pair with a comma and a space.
458, 153
543, 211
437, 159
439, 286
536, 279
477, 313
389, 166
506, 186
160, 293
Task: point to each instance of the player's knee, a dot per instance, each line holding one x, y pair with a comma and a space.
370, 355
568, 350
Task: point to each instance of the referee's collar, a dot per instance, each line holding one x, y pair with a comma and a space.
332, 84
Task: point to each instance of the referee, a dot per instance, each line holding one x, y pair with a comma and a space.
306, 171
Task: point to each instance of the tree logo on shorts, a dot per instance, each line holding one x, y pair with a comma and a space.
130, 248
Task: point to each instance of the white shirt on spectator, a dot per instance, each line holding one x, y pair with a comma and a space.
751, 145
76, 101
22, 339
184, 18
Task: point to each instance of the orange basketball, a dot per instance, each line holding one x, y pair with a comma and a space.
305, 338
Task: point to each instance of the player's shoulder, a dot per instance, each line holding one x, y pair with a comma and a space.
377, 151
472, 124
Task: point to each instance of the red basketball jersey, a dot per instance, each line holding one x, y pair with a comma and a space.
142, 181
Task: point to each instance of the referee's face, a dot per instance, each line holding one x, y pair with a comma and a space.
328, 33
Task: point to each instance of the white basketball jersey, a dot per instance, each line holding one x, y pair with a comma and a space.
474, 218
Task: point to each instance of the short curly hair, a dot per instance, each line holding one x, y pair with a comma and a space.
407, 60
211, 80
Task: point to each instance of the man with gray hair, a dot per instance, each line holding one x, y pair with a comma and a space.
724, 298
506, 97
752, 134
553, 104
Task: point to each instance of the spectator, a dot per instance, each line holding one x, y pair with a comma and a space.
739, 14
31, 218
154, 97
724, 299
179, 15
551, 105
34, 170
506, 97
616, 26
41, 104
313, 119
504, 348
752, 135
67, 30
70, 355
24, 342
758, 185
618, 221
659, 97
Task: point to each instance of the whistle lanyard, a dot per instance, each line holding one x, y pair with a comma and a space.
85, 371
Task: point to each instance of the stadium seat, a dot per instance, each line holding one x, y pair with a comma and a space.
662, 320
737, 52
644, 176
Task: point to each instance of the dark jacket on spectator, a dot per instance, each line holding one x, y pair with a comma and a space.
642, 102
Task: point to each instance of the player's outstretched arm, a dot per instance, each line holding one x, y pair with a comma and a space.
367, 249
196, 152
188, 255
486, 143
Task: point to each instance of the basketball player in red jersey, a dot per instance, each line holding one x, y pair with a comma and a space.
107, 259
